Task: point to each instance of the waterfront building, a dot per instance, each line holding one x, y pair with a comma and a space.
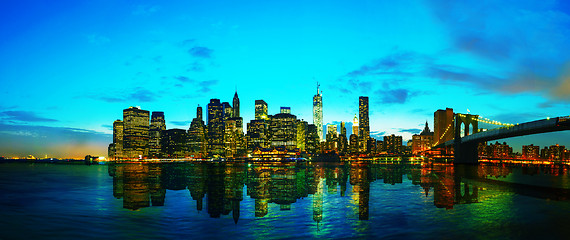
234, 140
118, 133
393, 144
174, 143
443, 127
423, 141
260, 110
302, 135
332, 138
318, 112
257, 135
557, 152
342, 139
312, 139
136, 132
353, 145
197, 136
216, 128
498, 150
157, 125
364, 124
530, 151
283, 131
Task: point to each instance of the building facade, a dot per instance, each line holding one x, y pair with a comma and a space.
136, 132
318, 113
363, 124
157, 125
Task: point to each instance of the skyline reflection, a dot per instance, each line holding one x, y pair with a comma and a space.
223, 186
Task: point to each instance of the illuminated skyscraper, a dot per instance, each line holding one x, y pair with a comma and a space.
215, 127
302, 135
157, 125
364, 124
257, 135
236, 106
117, 147
136, 128
355, 125
228, 110
197, 136
318, 112
312, 139
260, 110
283, 129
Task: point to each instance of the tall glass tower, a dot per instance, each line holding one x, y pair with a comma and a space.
318, 112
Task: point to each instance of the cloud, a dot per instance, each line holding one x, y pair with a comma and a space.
184, 79
205, 86
399, 96
410, 130
528, 38
201, 52
24, 116
107, 126
138, 94
378, 134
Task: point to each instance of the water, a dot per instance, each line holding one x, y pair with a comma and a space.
285, 201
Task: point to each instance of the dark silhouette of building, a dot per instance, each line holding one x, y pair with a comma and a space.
157, 125
236, 113
216, 128
197, 136
174, 143
136, 132
312, 139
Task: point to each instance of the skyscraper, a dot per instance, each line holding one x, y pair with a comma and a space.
157, 125
197, 136
318, 112
136, 127
215, 127
118, 133
236, 105
364, 124
283, 129
260, 110
228, 110
443, 128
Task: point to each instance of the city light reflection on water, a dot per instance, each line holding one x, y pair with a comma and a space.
284, 200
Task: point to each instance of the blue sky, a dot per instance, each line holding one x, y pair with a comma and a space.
68, 68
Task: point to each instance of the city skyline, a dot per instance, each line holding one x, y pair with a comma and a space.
68, 67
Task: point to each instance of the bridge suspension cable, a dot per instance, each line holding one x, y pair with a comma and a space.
442, 135
489, 121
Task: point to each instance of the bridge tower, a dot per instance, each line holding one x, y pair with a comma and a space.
465, 153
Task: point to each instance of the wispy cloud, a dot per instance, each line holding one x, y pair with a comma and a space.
201, 52
24, 116
137, 94
410, 130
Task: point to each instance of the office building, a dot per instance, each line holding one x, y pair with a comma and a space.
197, 144
423, 141
118, 133
174, 143
318, 112
136, 132
157, 125
216, 128
260, 110
363, 124
283, 129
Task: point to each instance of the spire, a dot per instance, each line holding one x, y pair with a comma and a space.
318, 85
